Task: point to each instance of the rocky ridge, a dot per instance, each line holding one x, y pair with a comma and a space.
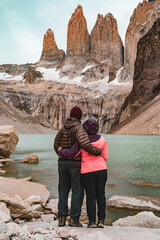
146, 83
50, 102
141, 21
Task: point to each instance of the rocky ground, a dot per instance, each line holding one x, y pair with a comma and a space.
145, 120
34, 219
22, 122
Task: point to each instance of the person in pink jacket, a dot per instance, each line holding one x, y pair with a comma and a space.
93, 173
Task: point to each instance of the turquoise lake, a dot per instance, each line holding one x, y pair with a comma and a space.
131, 158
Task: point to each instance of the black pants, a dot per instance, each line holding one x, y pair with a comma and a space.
94, 184
70, 179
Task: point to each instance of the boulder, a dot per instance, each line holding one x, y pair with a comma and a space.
33, 158
22, 188
18, 208
4, 213
8, 140
31, 75
143, 219
140, 203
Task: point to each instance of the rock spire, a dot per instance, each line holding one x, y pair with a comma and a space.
77, 35
105, 40
50, 50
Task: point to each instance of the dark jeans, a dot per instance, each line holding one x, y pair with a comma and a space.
70, 179
94, 184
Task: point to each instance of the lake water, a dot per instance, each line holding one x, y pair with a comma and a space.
131, 157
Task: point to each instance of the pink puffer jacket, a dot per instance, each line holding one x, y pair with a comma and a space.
91, 163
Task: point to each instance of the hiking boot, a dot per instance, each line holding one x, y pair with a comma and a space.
73, 223
62, 221
91, 225
100, 224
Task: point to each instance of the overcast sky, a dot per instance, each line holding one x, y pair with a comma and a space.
23, 23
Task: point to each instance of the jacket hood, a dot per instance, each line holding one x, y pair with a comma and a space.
91, 126
71, 122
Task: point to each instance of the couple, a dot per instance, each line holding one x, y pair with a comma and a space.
81, 165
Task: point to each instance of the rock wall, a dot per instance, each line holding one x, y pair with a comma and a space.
146, 83
50, 103
77, 35
50, 50
141, 21
105, 40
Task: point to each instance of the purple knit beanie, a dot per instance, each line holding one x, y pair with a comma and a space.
91, 126
76, 112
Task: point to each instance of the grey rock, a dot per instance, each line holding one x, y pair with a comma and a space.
143, 219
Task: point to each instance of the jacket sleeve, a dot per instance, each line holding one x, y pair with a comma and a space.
84, 142
57, 142
71, 152
105, 151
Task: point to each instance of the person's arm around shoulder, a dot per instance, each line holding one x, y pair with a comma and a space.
57, 142
105, 151
84, 142
71, 152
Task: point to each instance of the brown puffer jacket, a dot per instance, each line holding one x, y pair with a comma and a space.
71, 132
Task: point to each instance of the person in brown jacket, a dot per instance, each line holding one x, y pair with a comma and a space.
69, 169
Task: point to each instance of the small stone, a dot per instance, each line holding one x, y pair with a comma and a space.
2, 172
33, 199
2, 227
37, 207
38, 237
33, 158
4, 213
3, 237
47, 218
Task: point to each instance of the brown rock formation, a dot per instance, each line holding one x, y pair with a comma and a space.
50, 50
146, 83
105, 40
8, 141
141, 21
77, 36
22, 188
31, 75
